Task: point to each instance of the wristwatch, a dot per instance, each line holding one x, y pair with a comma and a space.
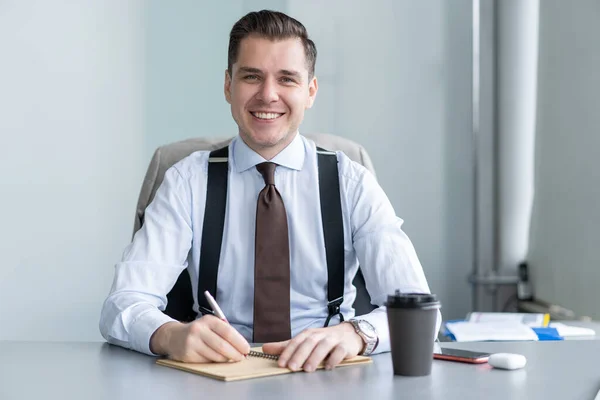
368, 334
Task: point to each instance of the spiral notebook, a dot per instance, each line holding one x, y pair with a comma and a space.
257, 365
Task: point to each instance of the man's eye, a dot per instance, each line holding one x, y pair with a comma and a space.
251, 77
285, 79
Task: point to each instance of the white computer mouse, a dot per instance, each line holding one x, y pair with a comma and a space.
507, 361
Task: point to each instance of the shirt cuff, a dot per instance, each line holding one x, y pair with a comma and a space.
144, 327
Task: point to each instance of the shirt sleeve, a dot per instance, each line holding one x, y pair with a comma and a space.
149, 268
387, 257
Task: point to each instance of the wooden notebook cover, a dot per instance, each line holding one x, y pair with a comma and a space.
251, 367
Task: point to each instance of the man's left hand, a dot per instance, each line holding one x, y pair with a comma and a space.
312, 346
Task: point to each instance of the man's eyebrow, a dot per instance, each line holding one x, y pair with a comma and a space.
287, 72
249, 70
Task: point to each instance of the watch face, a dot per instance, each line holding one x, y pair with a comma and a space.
367, 329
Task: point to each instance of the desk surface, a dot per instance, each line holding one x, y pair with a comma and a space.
80, 370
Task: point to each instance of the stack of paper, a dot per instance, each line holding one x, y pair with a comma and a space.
497, 326
535, 320
464, 331
569, 331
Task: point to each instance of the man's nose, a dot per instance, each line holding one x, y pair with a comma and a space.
268, 91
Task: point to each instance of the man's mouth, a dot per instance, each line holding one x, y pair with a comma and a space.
266, 115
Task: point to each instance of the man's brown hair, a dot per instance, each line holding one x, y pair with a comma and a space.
271, 25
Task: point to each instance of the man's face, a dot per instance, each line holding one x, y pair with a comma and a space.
268, 91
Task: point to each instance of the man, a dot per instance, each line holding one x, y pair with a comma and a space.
269, 83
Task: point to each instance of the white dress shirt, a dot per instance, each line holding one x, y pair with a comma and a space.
170, 238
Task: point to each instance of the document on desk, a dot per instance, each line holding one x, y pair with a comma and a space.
535, 320
465, 331
251, 367
572, 331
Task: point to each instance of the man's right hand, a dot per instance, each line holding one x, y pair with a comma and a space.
207, 339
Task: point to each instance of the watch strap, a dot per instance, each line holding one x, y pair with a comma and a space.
369, 344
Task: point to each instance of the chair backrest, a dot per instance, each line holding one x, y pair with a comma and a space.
166, 156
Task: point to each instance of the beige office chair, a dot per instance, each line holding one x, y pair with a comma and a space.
165, 156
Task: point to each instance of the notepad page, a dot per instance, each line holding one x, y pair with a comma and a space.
251, 367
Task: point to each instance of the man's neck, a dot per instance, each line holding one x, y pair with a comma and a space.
269, 152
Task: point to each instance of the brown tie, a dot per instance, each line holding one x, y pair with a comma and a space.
271, 263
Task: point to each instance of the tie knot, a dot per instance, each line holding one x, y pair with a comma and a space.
267, 170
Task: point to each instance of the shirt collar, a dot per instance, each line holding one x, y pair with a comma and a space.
245, 158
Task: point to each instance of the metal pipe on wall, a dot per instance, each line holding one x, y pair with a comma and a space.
505, 40
518, 23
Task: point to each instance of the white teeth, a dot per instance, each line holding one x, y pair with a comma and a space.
266, 115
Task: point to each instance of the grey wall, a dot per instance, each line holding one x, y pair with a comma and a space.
395, 76
186, 58
185, 62
564, 253
89, 90
71, 129
455, 263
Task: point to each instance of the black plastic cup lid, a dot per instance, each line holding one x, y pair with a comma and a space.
412, 300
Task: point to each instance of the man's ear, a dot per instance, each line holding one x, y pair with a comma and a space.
313, 88
227, 86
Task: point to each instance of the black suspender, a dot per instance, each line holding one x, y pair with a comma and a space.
212, 228
333, 230
214, 220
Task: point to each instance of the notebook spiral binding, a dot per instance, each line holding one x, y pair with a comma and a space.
263, 355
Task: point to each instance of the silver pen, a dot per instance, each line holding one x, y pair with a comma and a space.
215, 307
219, 314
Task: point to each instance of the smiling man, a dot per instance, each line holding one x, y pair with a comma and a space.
272, 281
269, 86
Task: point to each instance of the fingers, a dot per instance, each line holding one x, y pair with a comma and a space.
335, 357
289, 351
312, 351
186, 345
300, 348
308, 350
197, 351
233, 338
208, 339
275, 348
211, 355
320, 352
191, 357
221, 350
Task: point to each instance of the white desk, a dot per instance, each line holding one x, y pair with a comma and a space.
75, 370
